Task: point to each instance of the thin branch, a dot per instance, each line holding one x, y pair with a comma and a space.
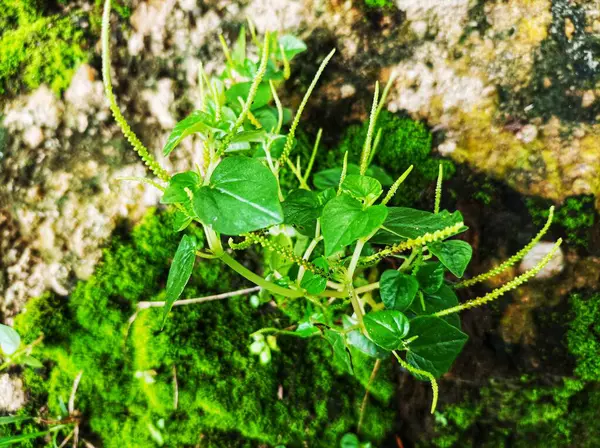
225, 295
363, 406
175, 389
71, 407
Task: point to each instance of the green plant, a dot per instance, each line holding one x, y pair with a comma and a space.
319, 243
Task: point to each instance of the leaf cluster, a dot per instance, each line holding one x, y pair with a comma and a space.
320, 242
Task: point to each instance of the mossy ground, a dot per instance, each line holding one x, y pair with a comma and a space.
575, 218
44, 42
38, 47
536, 411
225, 397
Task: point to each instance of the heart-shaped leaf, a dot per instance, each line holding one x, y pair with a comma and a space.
408, 223
362, 187
242, 197
314, 283
306, 330
340, 353
443, 299
9, 340
430, 276
175, 191
386, 328
344, 220
242, 89
196, 122
360, 342
291, 46
436, 347
301, 209
180, 271
330, 178
453, 254
397, 290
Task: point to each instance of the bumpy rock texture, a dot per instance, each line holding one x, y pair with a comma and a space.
60, 157
512, 85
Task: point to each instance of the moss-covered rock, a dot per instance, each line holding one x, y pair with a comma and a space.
37, 48
195, 380
404, 142
575, 217
536, 411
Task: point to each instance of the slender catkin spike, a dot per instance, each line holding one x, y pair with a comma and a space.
392, 191
201, 77
364, 157
384, 95
419, 241
286, 253
251, 94
514, 283
215, 95
251, 118
429, 376
438, 189
290, 137
225, 49
512, 260
142, 151
242, 245
143, 180
254, 120
375, 146
344, 171
313, 155
279, 108
252, 29
286, 64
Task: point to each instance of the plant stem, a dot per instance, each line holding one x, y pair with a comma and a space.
363, 406
350, 287
306, 256
257, 279
225, 295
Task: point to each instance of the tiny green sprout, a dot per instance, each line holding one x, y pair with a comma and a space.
320, 237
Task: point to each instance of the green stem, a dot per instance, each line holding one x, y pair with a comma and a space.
257, 279
306, 256
350, 287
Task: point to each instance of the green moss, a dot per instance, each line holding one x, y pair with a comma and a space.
563, 64
584, 336
379, 3
225, 398
575, 217
403, 142
522, 415
36, 49
529, 412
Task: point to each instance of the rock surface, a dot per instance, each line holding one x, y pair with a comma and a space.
494, 78
12, 396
